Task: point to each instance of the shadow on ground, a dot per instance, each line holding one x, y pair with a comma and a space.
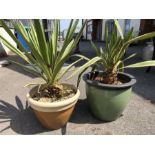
145, 85
21, 120
82, 114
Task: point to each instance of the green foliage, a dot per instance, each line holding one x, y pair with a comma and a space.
45, 59
111, 58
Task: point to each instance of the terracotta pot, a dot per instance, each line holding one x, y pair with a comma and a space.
56, 114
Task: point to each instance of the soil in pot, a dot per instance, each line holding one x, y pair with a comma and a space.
103, 79
54, 93
113, 79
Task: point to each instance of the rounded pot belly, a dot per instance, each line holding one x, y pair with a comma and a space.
105, 104
54, 120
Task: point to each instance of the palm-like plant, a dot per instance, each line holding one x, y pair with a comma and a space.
46, 61
111, 58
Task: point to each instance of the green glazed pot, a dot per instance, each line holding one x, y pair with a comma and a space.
106, 101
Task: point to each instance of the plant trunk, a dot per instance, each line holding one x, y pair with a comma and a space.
110, 77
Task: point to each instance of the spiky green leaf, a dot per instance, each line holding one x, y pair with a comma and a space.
86, 65
118, 28
142, 64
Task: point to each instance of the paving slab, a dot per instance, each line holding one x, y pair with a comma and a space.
16, 118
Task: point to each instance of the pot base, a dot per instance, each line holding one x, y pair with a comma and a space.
54, 120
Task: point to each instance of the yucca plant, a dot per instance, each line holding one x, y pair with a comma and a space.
111, 58
46, 61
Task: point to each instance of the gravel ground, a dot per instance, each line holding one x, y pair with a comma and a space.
138, 118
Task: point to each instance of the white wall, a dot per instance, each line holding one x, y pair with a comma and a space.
136, 24
3, 48
121, 22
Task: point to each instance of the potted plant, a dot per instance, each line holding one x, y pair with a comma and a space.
52, 101
108, 88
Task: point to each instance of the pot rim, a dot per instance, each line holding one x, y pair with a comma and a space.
110, 86
56, 104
